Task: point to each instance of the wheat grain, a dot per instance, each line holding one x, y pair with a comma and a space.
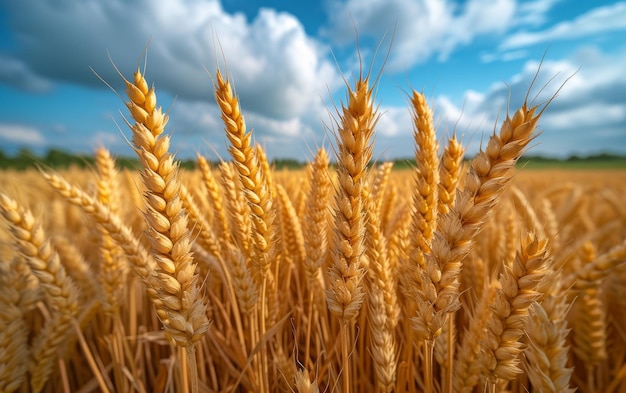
346, 293
450, 167
60, 291
215, 200
257, 191
304, 384
500, 355
13, 332
490, 172
178, 288
384, 311
546, 357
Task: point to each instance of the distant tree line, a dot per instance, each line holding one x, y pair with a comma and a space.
574, 158
59, 159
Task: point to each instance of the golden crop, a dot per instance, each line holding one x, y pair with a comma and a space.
449, 277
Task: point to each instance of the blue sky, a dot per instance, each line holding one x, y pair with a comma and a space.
287, 59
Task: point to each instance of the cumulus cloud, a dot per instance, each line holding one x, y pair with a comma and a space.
279, 70
429, 28
21, 134
590, 110
598, 20
588, 114
394, 121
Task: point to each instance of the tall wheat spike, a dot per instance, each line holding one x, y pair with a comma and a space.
346, 291
60, 291
489, 174
183, 313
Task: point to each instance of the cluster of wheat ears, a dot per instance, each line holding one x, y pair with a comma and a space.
347, 278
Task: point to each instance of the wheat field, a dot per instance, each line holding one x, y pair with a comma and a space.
454, 276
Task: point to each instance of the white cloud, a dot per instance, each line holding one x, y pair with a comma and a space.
598, 20
427, 28
278, 69
23, 134
590, 110
587, 116
394, 121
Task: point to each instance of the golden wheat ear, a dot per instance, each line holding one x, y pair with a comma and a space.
183, 312
500, 356
138, 256
346, 291
256, 185
315, 222
185, 319
384, 311
14, 332
450, 167
59, 290
354, 149
546, 357
112, 275
425, 196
